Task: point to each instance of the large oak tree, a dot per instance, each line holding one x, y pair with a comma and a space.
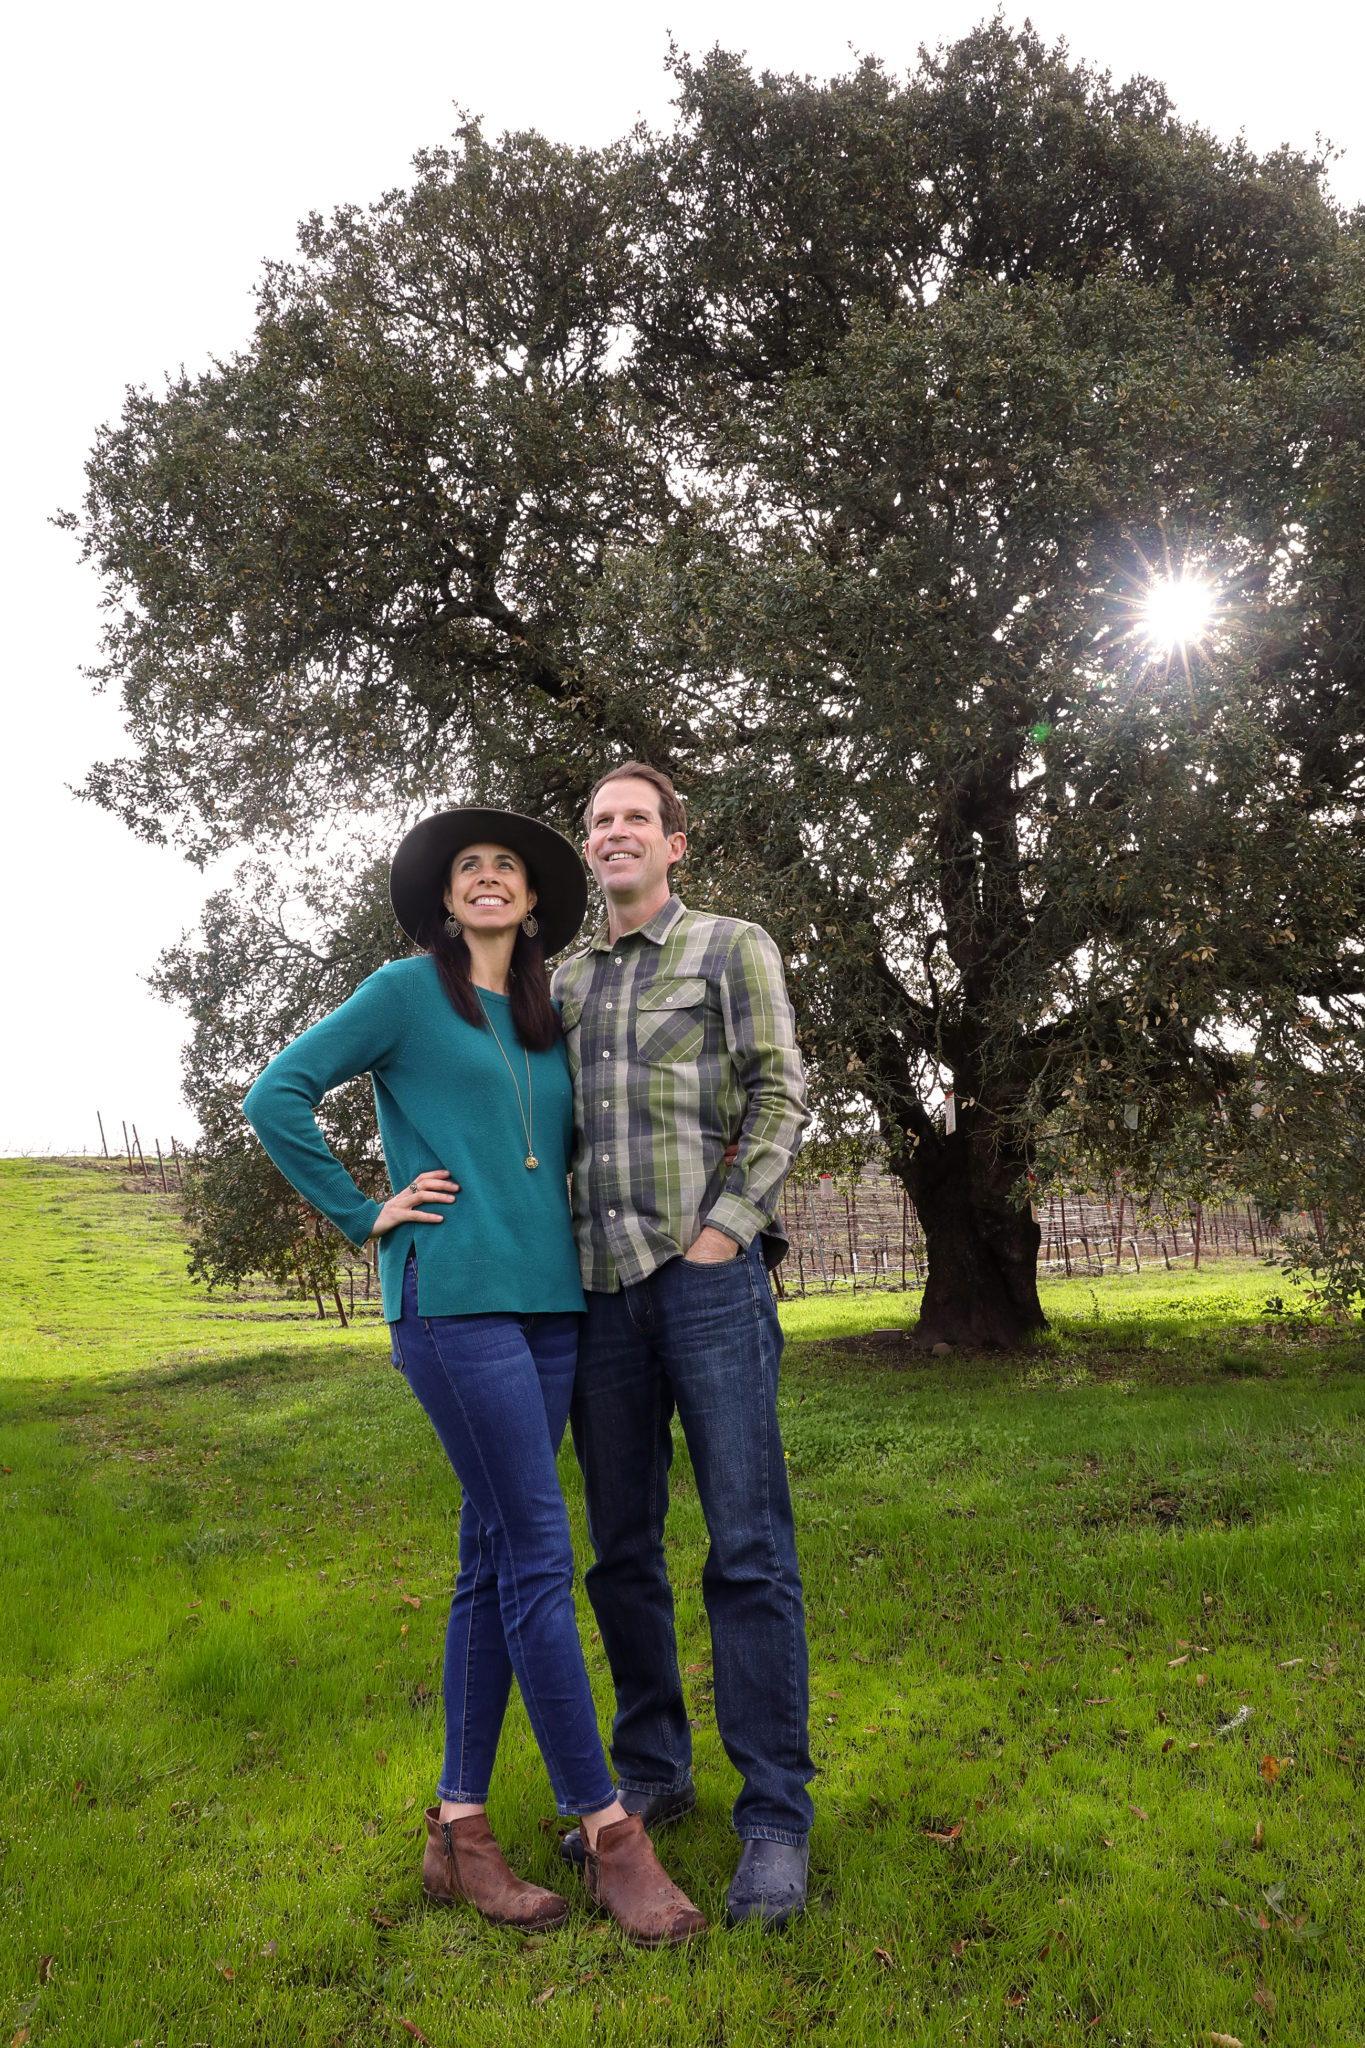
825, 450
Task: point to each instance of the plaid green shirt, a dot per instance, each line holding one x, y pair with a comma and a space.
680, 1043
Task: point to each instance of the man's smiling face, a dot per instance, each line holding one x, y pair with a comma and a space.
627, 847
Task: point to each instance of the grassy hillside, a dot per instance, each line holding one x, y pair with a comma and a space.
1038, 1590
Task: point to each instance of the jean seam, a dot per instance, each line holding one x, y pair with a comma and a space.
769, 1451
656, 1523
468, 1655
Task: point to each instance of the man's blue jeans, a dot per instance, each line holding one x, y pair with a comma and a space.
497, 1391
704, 1340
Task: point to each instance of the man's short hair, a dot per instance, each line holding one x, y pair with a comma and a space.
672, 816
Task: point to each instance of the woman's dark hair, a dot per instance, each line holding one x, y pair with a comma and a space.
528, 985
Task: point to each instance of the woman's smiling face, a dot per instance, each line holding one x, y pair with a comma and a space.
489, 890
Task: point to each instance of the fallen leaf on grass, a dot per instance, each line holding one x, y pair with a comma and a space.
957, 1949
80, 1787
1138, 1811
1171, 1662
1201, 1677
381, 1756
1270, 1768
403, 1630
1106, 1701
880, 1955
942, 1835
1169, 1743
1105, 1842
20, 2037
545, 1996
226, 1606
410, 2027
1017, 1998
380, 1919
45, 1969
696, 1670
1223, 2041
412, 1599
1258, 1839
225, 1969
1289, 1663
1265, 1998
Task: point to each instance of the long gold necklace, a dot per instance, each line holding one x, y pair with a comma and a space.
528, 1110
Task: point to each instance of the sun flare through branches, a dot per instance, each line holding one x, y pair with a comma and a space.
1176, 613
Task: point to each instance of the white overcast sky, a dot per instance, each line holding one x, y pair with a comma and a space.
158, 153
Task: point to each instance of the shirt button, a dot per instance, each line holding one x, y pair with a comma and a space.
619, 961
606, 1155
611, 1006
606, 1102
606, 1055
611, 1212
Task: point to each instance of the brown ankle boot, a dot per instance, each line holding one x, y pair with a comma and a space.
463, 1861
624, 1875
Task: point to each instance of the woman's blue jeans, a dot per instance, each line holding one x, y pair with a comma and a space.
497, 1391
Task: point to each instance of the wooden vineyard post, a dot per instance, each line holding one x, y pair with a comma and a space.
815, 1233
129, 1143
161, 1167
141, 1155
1066, 1242
103, 1140
1118, 1227
905, 1232
1198, 1231
179, 1169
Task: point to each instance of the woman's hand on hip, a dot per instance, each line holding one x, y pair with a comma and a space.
404, 1207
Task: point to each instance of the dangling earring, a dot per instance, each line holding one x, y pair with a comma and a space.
530, 925
453, 926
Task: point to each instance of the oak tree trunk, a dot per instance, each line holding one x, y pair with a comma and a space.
982, 1287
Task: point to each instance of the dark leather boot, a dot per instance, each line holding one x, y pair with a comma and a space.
463, 1861
770, 1884
626, 1878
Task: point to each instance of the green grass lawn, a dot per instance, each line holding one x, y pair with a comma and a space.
1038, 1590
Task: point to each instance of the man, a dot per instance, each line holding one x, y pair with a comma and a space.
689, 1110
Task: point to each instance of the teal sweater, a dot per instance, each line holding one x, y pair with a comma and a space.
445, 1098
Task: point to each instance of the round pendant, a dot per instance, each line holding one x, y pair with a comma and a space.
531, 1160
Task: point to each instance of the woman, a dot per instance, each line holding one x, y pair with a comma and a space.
482, 1294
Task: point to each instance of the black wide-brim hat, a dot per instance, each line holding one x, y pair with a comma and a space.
421, 870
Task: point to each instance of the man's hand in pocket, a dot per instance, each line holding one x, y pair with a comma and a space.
712, 1248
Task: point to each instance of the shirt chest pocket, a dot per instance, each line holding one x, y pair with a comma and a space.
670, 1021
